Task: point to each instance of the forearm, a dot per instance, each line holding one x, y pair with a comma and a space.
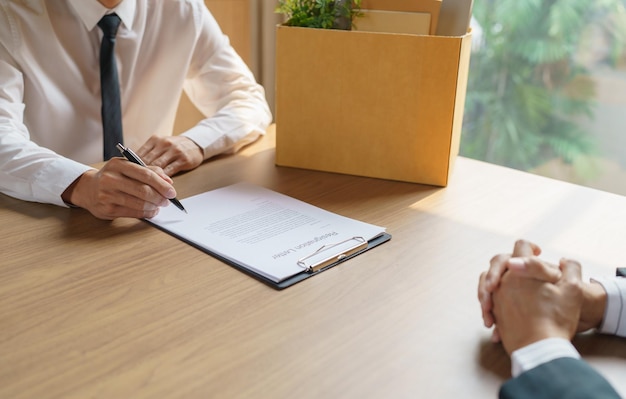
224, 89
594, 306
27, 171
33, 173
226, 133
74, 194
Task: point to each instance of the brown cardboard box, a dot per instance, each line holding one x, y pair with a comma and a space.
370, 104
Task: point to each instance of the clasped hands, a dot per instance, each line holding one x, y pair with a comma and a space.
527, 299
124, 189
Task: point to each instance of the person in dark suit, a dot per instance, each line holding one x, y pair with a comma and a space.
536, 308
563, 378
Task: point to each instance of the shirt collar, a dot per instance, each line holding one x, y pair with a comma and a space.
91, 11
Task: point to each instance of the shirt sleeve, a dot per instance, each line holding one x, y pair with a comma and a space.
541, 352
27, 171
223, 88
614, 321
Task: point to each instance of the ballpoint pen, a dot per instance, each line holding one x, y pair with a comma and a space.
131, 156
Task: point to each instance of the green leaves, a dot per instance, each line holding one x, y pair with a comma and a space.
317, 13
527, 94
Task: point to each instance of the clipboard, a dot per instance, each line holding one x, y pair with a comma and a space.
277, 239
329, 260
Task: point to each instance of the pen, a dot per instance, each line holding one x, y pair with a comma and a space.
131, 156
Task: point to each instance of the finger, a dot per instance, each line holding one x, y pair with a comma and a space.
118, 195
497, 267
154, 187
495, 335
112, 213
114, 204
534, 268
484, 297
571, 271
162, 174
146, 148
525, 248
164, 159
178, 165
131, 206
154, 149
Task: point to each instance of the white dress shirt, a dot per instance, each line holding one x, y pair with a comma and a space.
50, 123
614, 322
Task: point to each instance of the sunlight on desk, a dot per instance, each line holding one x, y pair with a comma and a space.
122, 309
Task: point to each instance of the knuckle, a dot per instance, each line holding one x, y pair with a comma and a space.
145, 174
155, 168
107, 211
575, 287
499, 258
102, 199
576, 264
150, 214
144, 191
106, 179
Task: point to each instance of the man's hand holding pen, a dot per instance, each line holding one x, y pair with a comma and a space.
121, 189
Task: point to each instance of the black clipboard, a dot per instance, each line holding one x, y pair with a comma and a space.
306, 273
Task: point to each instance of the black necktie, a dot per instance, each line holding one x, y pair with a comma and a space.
110, 87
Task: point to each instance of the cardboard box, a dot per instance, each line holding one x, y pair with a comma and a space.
380, 105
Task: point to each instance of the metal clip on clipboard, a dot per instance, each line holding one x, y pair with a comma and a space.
315, 265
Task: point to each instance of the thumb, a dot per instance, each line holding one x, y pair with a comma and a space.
525, 248
571, 270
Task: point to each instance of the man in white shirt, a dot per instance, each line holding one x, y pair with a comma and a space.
537, 308
50, 104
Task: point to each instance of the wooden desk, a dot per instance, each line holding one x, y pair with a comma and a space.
94, 309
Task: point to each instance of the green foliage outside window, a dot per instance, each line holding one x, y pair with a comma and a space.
526, 93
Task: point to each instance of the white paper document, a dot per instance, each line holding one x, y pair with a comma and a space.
262, 230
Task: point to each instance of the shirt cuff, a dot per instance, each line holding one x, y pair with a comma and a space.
614, 321
216, 137
541, 352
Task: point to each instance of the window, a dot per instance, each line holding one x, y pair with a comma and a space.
547, 89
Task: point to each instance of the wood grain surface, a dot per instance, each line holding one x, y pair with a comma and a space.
96, 309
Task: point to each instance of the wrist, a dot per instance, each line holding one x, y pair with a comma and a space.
73, 194
530, 338
540, 352
594, 305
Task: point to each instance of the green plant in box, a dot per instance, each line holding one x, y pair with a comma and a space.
324, 14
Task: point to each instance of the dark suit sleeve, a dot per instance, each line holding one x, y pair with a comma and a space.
564, 378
